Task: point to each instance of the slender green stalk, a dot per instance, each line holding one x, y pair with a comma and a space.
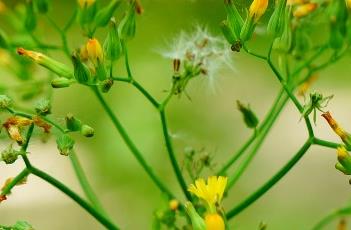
325, 143
131, 144
20, 177
90, 209
271, 182
126, 59
172, 156
332, 216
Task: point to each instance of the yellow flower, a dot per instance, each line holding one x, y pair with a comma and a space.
304, 9
173, 204
342, 152
214, 222
212, 192
86, 3
94, 50
257, 9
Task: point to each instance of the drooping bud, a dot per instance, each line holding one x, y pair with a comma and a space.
94, 51
81, 71
47, 62
345, 137
105, 14
61, 82
5, 102
234, 19
106, 85
277, 21
344, 159
214, 222
304, 9
127, 27
112, 44
42, 6
197, 222
9, 155
43, 107
87, 131
249, 116
72, 123
30, 22
65, 144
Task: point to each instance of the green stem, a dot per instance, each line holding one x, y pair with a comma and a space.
271, 182
137, 154
85, 205
126, 60
331, 216
325, 143
23, 174
172, 156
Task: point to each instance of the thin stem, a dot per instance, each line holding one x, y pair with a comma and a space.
325, 143
271, 182
85, 205
137, 154
145, 93
332, 216
20, 177
172, 156
126, 59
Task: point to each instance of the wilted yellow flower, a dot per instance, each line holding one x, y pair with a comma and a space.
13, 125
212, 192
35, 56
345, 137
94, 50
214, 222
304, 9
85, 3
257, 9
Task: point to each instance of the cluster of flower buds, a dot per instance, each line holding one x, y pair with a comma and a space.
73, 124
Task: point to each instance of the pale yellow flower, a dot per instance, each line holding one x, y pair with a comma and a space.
212, 192
257, 9
304, 9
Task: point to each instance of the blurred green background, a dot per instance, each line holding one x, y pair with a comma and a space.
209, 120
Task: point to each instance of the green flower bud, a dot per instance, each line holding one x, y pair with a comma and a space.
197, 222
112, 44
87, 13
302, 42
47, 62
65, 144
247, 29
42, 6
30, 22
106, 85
276, 22
5, 102
3, 40
341, 168
81, 71
284, 42
104, 15
43, 107
61, 82
22, 225
87, 131
228, 32
344, 159
235, 21
72, 123
127, 27
249, 116
9, 155
101, 71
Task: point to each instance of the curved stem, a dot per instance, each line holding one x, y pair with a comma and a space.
331, 216
131, 144
271, 182
172, 156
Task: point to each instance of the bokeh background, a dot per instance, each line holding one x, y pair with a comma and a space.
209, 120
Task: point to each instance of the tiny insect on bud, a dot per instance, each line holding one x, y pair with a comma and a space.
173, 205
94, 51
105, 14
47, 62
43, 107
127, 26
345, 137
42, 6
234, 19
249, 116
81, 71
65, 144
197, 222
106, 85
61, 82
30, 22
5, 102
214, 222
87, 131
304, 9
112, 44
72, 123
